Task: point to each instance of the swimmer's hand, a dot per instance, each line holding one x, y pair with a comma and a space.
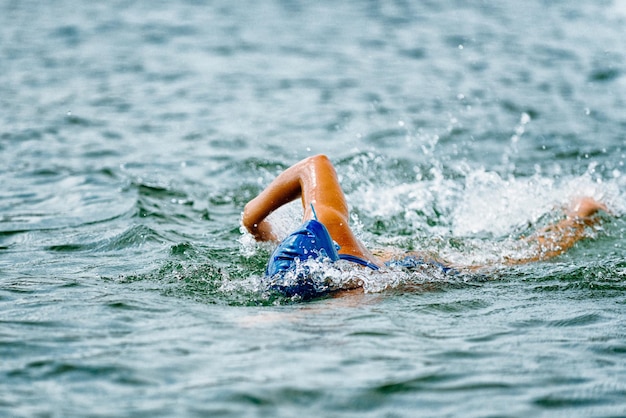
585, 207
261, 231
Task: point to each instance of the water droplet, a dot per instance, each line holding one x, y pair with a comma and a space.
525, 118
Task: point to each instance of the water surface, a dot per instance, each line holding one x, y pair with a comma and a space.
133, 133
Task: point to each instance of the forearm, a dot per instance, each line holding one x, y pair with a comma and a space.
282, 190
257, 210
556, 239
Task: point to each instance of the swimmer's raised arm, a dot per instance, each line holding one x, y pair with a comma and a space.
314, 180
554, 240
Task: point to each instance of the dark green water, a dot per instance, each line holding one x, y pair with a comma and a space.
133, 133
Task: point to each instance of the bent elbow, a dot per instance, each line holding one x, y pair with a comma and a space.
247, 219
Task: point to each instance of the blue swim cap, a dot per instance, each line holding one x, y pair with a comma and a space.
311, 241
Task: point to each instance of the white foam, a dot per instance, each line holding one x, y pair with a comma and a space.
481, 216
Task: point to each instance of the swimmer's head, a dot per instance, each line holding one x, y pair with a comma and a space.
287, 271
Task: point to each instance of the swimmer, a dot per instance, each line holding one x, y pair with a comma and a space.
326, 234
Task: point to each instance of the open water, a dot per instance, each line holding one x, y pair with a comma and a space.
132, 133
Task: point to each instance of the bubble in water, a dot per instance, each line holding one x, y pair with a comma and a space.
525, 118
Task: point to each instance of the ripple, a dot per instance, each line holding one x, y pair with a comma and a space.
605, 75
459, 306
72, 371
157, 190
557, 401
575, 321
386, 138
134, 236
416, 384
